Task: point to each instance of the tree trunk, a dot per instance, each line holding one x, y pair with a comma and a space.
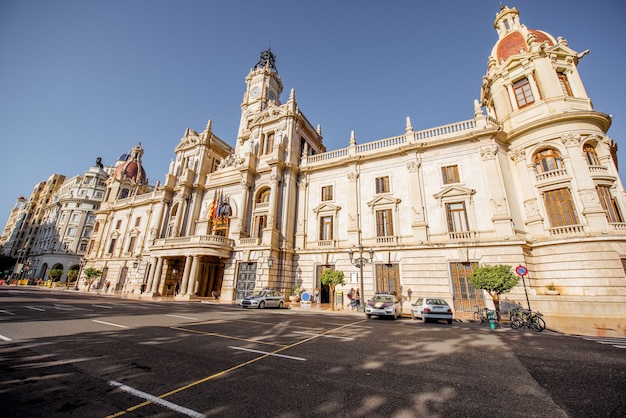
332, 298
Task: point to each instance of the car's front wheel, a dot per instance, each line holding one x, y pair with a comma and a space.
280, 305
262, 304
449, 321
368, 316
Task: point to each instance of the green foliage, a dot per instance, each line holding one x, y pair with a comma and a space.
332, 278
495, 280
72, 274
91, 274
55, 274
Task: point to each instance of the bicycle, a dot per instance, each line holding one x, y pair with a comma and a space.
482, 315
527, 319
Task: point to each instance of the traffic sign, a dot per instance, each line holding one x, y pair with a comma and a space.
521, 270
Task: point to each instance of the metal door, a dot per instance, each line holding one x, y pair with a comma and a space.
246, 280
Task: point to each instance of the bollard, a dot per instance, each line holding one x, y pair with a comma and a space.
492, 320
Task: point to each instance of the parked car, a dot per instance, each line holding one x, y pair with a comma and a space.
383, 304
266, 298
431, 308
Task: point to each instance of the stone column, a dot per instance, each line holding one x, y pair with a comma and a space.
191, 287
157, 277
183, 287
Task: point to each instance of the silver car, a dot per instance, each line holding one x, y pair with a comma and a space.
383, 304
266, 298
431, 308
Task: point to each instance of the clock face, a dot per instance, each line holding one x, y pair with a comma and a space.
254, 93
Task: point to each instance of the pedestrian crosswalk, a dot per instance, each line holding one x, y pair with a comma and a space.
614, 341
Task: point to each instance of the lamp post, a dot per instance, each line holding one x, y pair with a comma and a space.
81, 264
359, 262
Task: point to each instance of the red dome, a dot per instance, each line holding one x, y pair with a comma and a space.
512, 43
131, 170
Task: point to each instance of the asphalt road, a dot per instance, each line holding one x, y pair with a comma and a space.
70, 354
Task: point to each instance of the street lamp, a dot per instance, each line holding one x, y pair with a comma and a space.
359, 262
81, 264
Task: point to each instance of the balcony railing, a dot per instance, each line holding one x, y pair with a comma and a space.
567, 230
551, 175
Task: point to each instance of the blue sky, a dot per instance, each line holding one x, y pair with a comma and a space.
82, 79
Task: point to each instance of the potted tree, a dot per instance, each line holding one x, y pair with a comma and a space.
72, 274
332, 278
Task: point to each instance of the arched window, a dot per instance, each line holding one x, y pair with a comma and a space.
590, 154
548, 160
264, 196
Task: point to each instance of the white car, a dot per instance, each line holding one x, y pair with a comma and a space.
383, 304
266, 298
431, 308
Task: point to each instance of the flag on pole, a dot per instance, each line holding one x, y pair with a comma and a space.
213, 204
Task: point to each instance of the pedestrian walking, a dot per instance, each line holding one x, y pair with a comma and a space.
176, 287
357, 299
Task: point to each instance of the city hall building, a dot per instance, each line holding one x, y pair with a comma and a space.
529, 179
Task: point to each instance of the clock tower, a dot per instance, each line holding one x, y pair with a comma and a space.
263, 83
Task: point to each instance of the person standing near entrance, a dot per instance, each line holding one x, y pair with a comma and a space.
176, 287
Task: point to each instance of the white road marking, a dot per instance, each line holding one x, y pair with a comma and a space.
36, 309
183, 317
323, 335
16, 291
7, 312
2, 337
102, 306
158, 401
269, 354
109, 323
61, 307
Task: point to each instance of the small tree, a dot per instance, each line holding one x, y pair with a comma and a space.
55, 274
495, 280
332, 278
71, 275
91, 274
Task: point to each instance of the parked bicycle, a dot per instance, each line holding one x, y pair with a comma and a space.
527, 319
482, 315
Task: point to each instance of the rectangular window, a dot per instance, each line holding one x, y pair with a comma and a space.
523, 93
609, 204
382, 184
71, 232
450, 174
326, 228
131, 244
327, 193
384, 223
560, 207
137, 221
388, 278
261, 224
112, 246
75, 217
564, 83
118, 225
457, 217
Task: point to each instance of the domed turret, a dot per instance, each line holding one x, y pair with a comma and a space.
530, 72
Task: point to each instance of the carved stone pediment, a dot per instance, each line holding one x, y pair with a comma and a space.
326, 208
270, 114
383, 201
454, 192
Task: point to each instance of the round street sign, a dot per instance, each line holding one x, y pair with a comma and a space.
521, 270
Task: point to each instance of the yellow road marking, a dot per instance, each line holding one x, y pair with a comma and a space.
223, 372
213, 334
